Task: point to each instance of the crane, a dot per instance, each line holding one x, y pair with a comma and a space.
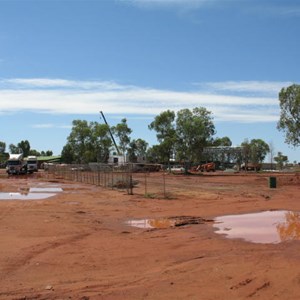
110, 133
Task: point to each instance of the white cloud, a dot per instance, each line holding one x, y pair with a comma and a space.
254, 88
262, 87
59, 83
64, 126
50, 125
60, 96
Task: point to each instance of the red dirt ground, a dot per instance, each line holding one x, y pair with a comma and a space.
76, 245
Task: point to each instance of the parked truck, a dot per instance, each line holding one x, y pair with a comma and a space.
16, 165
32, 164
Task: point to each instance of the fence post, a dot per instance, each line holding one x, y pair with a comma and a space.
164, 183
146, 190
130, 185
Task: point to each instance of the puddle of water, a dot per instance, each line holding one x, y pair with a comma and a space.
151, 223
269, 227
25, 196
40, 192
45, 190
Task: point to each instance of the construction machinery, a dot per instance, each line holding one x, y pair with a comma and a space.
208, 167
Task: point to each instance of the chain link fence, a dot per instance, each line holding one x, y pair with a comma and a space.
139, 179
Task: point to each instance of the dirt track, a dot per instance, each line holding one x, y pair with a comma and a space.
76, 244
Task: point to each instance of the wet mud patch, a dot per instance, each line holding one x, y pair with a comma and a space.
169, 222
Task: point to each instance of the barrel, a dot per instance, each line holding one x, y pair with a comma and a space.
272, 182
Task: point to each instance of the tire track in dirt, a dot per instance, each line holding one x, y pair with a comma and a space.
28, 254
118, 283
4, 212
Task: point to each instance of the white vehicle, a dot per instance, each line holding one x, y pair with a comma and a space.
16, 165
177, 169
32, 164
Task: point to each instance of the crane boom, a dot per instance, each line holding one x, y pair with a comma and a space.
110, 133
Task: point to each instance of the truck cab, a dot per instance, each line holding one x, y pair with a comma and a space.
15, 165
32, 164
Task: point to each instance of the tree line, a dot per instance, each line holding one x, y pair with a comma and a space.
181, 137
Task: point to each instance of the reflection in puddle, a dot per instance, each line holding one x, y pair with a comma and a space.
25, 196
264, 227
33, 193
46, 190
151, 223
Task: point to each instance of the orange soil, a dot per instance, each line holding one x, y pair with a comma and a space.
76, 244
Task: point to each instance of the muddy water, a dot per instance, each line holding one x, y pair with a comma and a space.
263, 227
151, 223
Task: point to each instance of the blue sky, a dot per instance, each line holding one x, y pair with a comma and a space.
66, 60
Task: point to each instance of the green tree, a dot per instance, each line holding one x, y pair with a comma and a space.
142, 147
3, 155
87, 142
224, 141
194, 129
154, 154
100, 142
25, 147
137, 148
13, 149
289, 122
132, 156
122, 132
258, 150
254, 151
2, 147
34, 152
67, 154
79, 140
49, 153
281, 160
164, 125
246, 152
